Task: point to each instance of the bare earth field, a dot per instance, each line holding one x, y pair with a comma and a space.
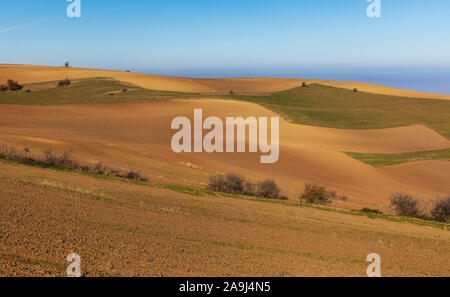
134, 134
124, 229
172, 227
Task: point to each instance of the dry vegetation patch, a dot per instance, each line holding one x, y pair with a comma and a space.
64, 161
237, 184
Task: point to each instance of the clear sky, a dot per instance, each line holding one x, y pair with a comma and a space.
332, 39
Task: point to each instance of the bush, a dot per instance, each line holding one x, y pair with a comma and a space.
234, 183
304, 85
250, 189
64, 83
316, 194
231, 92
217, 183
371, 210
3, 88
268, 189
355, 90
67, 64
441, 210
64, 161
13, 85
405, 204
10, 153
229, 183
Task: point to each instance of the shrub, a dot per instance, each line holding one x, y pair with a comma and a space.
304, 85
355, 90
10, 153
250, 189
268, 189
64, 83
317, 194
405, 204
59, 161
67, 64
14, 85
64, 161
441, 210
217, 183
229, 183
234, 183
3, 88
371, 210
231, 92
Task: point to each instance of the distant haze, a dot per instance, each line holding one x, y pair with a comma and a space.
421, 80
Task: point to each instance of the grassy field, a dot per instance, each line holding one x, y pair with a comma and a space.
87, 91
380, 160
325, 106
315, 105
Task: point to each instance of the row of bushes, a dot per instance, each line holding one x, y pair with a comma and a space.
234, 183
11, 85
268, 188
403, 204
64, 161
407, 205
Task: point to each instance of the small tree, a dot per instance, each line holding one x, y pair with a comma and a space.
234, 183
217, 183
67, 64
316, 194
441, 210
355, 90
13, 85
249, 189
268, 189
405, 204
304, 85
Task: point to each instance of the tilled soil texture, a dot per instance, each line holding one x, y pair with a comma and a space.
125, 229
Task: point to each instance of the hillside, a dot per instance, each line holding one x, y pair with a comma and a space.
363, 145
36, 74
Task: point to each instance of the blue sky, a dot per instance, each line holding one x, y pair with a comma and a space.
319, 38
